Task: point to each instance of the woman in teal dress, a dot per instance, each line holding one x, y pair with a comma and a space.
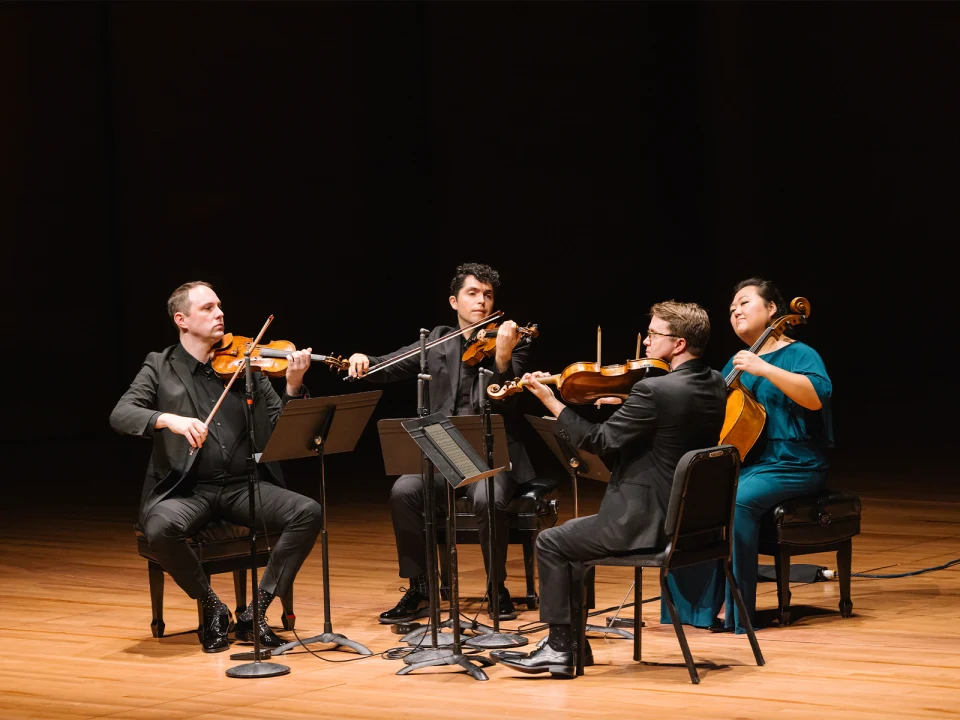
791, 382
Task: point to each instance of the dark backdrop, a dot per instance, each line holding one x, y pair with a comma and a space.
331, 163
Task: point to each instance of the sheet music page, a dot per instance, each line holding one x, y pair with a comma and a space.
450, 448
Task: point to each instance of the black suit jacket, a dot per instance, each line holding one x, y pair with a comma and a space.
661, 419
164, 385
444, 364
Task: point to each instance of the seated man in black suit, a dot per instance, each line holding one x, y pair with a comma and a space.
197, 473
663, 418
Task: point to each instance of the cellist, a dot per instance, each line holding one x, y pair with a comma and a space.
789, 379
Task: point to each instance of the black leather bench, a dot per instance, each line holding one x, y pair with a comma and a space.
811, 524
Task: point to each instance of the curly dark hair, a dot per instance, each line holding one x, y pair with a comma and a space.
483, 273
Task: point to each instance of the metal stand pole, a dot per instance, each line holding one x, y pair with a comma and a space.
257, 668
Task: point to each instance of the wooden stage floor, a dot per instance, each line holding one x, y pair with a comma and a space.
75, 629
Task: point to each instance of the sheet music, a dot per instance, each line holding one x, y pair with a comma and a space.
449, 447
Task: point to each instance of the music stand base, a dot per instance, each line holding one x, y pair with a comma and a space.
257, 670
489, 641
415, 662
613, 621
415, 637
604, 631
471, 625
335, 638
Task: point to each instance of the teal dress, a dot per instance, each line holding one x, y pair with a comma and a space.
790, 461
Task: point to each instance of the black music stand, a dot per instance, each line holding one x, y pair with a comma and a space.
438, 440
399, 454
579, 464
321, 426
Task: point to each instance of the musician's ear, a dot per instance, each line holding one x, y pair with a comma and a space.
453, 301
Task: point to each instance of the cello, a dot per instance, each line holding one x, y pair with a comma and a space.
745, 416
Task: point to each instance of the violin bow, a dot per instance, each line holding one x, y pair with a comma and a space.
432, 343
234, 377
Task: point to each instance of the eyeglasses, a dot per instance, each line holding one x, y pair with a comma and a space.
653, 335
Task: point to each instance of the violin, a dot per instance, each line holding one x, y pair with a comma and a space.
484, 344
269, 358
582, 383
745, 417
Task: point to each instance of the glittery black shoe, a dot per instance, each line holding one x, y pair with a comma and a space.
412, 605
216, 627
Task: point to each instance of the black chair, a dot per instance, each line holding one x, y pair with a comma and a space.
528, 513
698, 523
811, 524
221, 547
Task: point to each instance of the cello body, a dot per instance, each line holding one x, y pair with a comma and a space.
743, 421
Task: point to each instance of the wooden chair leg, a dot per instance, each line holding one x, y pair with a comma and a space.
844, 562
155, 573
678, 628
783, 586
289, 618
744, 615
530, 569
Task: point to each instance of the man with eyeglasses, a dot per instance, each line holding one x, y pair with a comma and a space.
663, 418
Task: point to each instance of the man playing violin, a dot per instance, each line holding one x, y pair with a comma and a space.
455, 389
198, 473
662, 418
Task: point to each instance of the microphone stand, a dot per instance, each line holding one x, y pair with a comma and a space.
450, 654
433, 654
257, 668
494, 639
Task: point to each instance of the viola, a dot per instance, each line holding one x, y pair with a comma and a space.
745, 416
484, 344
269, 358
582, 383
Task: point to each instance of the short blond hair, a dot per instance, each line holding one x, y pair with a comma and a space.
687, 320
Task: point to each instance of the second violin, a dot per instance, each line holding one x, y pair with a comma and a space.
484, 344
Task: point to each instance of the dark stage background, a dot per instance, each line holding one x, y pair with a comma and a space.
331, 163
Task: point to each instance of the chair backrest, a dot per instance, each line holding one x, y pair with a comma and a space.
702, 502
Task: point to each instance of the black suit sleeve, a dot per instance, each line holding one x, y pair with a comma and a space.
635, 420
135, 413
406, 368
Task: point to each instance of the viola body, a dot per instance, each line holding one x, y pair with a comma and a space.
743, 421
583, 383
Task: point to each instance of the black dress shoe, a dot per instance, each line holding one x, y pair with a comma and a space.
268, 638
544, 659
216, 627
505, 605
412, 605
497, 655
717, 626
